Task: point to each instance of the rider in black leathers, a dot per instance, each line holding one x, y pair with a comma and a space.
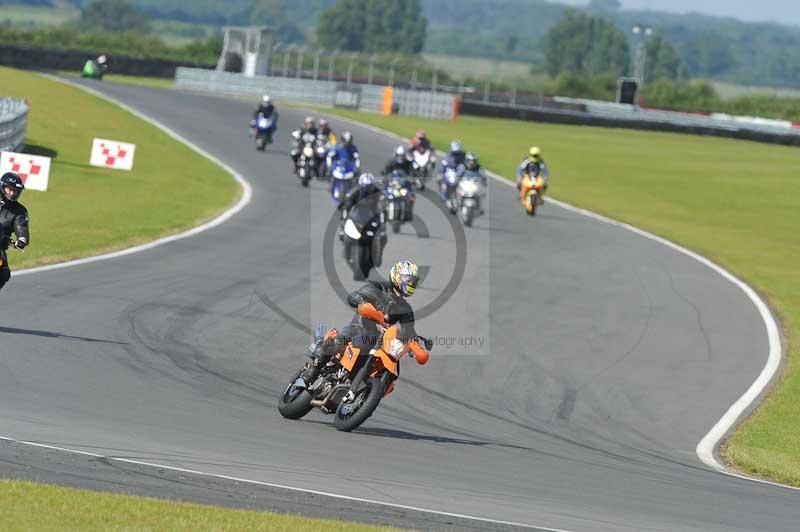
13, 219
389, 298
400, 161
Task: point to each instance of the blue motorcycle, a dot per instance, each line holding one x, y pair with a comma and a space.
343, 178
264, 129
448, 183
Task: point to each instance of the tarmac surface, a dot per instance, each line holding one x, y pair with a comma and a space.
577, 364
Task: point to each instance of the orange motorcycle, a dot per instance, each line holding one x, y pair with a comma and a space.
530, 192
353, 383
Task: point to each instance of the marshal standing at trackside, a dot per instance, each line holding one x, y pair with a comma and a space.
13, 219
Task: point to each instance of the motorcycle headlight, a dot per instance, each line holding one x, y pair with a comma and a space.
351, 230
403, 192
468, 188
308, 151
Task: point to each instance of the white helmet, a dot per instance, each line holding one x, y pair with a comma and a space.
366, 179
266, 99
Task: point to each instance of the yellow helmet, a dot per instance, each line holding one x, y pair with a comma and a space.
404, 276
535, 153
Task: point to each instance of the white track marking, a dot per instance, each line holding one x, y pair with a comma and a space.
707, 448
280, 486
247, 192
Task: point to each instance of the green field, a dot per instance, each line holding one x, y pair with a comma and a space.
27, 506
736, 202
90, 210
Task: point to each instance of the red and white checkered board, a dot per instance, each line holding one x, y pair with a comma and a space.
33, 169
112, 154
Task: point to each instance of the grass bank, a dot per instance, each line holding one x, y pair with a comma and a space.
124, 79
44, 508
736, 202
89, 210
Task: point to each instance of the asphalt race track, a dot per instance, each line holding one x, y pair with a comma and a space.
606, 357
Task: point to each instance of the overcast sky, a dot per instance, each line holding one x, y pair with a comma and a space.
784, 11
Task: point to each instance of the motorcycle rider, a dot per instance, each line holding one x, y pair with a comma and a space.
266, 108
420, 142
400, 161
345, 150
534, 166
309, 127
453, 159
366, 190
389, 298
474, 172
326, 131
13, 219
295, 146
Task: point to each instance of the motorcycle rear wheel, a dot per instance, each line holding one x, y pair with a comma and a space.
297, 406
350, 415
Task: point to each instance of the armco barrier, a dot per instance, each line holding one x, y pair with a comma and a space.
13, 120
606, 114
369, 97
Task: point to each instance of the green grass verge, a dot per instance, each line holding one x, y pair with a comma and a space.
736, 202
140, 81
44, 508
90, 210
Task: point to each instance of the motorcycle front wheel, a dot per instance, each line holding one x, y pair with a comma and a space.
351, 414
295, 402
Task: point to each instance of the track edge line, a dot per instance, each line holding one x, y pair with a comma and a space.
244, 200
707, 448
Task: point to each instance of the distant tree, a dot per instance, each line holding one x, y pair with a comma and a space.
662, 59
708, 55
113, 16
373, 26
341, 26
585, 45
274, 13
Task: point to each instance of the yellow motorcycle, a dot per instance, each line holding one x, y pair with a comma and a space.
530, 192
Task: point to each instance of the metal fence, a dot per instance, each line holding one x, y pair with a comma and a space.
13, 120
363, 96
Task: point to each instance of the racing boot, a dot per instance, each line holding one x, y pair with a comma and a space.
323, 353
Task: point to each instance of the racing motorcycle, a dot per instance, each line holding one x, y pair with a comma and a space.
530, 189
364, 237
422, 165
343, 178
322, 149
95, 68
470, 193
307, 162
264, 128
399, 199
448, 183
352, 385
